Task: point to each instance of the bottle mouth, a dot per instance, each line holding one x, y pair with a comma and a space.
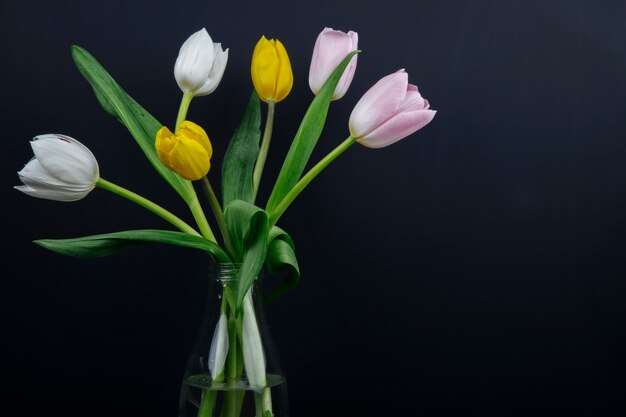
227, 272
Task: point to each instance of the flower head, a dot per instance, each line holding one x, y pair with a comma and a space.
331, 47
63, 169
187, 152
271, 70
200, 64
389, 111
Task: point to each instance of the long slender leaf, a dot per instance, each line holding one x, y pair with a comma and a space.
241, 156
141, 125
308, 133
281, 257
248, 226
107, 244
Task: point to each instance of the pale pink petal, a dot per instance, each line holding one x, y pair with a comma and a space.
348, 74
378, 104
316, 70
412, 101
397, 128
331, 47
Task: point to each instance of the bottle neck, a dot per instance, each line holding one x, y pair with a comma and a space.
226, 277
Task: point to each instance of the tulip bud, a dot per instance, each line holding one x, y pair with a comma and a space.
188, 152
389, 111
219, 348
271, 70
331, 47
200, 64
63, 169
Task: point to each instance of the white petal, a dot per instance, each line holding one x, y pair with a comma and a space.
51, 194
35, 176
219, 347
194, 61
216, 73
33, 172
66, 159
253, 355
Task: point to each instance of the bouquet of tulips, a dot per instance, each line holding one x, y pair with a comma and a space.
63, 169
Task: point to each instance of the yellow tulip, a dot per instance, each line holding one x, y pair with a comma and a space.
187, 152
271, 70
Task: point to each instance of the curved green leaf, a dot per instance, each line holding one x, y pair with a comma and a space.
248, 226
241, 155
306, 137
141, 125
107, 244
281, 257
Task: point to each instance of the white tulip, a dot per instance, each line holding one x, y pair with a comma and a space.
200, 64
253, 355
219, 348
63, 169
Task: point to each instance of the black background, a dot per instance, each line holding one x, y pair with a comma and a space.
476, 268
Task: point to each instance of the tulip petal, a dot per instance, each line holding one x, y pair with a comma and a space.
51, 193
66, 159
34, 173
378, 104
219, 348
271, 70
194, 61
216, 73
190, 159
331, 47
35, 176
196, 133
284, 82
396, 128
253, 354
413, 100
264, 69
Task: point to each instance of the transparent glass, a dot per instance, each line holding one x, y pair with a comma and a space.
233, 370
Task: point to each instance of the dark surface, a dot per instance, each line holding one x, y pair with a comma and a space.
475, 268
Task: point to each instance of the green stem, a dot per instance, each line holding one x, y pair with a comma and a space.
201, 220
182, 110
307, 178
265, 146
207, 403
144, 202
219, 214
258, 404
266, 401
230, 397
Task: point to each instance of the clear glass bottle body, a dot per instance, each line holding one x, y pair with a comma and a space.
233, 370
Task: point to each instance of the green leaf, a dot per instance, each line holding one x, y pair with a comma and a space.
241, 156
107, 244
248, 226
281, 257
141, 125
306, 137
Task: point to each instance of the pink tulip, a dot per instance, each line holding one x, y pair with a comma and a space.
331, 48
391, 110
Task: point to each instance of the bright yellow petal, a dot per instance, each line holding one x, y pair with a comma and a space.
190, 159
264, 68
192, 131
285, 74
164, 143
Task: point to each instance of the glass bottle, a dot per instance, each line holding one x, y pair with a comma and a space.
233, 370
